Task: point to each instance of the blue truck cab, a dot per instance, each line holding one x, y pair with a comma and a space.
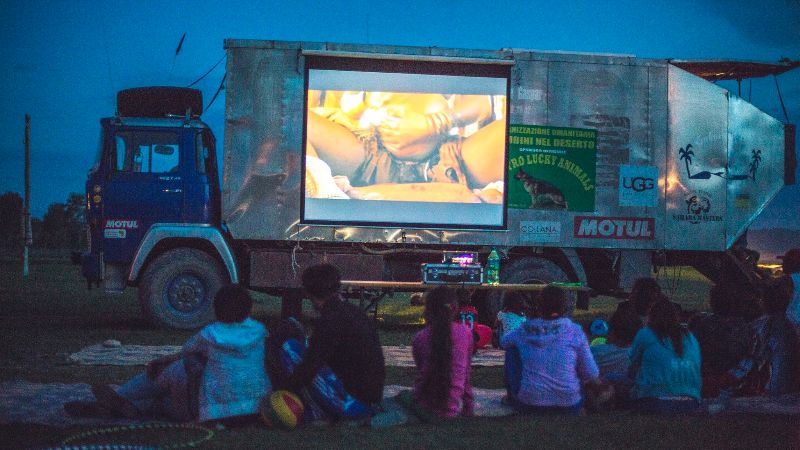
153, 207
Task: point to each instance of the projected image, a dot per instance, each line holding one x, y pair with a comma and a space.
406, 148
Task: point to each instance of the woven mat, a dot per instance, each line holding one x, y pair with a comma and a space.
400, 356
139, 355
24, 402
125, 355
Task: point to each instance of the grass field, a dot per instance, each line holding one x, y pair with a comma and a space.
50, 314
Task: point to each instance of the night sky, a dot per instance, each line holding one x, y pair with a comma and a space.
64, 61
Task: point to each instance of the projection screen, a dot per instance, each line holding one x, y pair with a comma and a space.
400, 143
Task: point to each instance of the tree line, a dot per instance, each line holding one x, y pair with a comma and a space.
62, 226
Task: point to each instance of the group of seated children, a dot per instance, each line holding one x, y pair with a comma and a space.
224, 371
744, 346
651, 359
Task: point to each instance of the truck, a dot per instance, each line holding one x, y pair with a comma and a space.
575, 168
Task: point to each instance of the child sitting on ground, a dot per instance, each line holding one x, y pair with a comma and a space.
727, 342
468, 315
548, 360
612, 357
218, 374
442, 353
665, 364
513, 314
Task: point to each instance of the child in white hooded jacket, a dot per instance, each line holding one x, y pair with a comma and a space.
227, 358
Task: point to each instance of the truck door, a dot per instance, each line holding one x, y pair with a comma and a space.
145, 186
201, 198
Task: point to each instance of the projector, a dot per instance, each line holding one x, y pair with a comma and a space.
447, 273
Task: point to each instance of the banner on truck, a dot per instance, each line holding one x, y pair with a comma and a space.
551, 168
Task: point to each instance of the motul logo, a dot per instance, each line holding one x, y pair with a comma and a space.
128, 224
614, 227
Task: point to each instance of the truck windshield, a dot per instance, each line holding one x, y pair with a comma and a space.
145, 152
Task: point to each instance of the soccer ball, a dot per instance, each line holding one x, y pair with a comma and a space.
281, 409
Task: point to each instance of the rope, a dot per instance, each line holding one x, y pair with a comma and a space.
221, 86
69, 442
208, 72
780, 97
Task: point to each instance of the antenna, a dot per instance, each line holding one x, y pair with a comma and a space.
174, 57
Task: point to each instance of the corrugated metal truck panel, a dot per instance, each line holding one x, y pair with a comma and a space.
645, 112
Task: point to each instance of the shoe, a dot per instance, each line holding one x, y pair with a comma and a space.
389, 418
83, 408
108, 398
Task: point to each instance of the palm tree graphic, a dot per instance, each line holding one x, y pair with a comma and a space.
755, 160
686, 155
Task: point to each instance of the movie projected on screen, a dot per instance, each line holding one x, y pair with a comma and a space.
405, 143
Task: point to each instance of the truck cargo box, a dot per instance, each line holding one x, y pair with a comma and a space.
596, 151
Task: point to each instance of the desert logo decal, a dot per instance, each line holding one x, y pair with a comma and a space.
685, 154
699, 209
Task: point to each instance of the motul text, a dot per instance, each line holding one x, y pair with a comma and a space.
614, 227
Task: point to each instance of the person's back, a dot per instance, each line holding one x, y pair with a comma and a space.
791, 268
555, 360
612, 356
726, 341
218, 373
661, 372
347, 340
723, 340
233, 380
459, 397
776, 356
665, 361
554, 357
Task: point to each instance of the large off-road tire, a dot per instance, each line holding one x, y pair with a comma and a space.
530, 270
177, 288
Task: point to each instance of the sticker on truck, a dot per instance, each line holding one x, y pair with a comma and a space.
638, 186
115, 233
589, 227
540, 231
122, 223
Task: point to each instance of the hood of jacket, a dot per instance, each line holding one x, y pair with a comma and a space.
236, 337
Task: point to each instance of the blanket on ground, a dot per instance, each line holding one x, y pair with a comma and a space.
25, 402
136, 355
35, 403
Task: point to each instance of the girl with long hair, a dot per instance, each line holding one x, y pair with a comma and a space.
665, 361
442, 352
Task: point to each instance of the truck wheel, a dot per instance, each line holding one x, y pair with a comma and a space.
530, 270
177, 289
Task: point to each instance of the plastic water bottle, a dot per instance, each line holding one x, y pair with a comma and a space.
493, 268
